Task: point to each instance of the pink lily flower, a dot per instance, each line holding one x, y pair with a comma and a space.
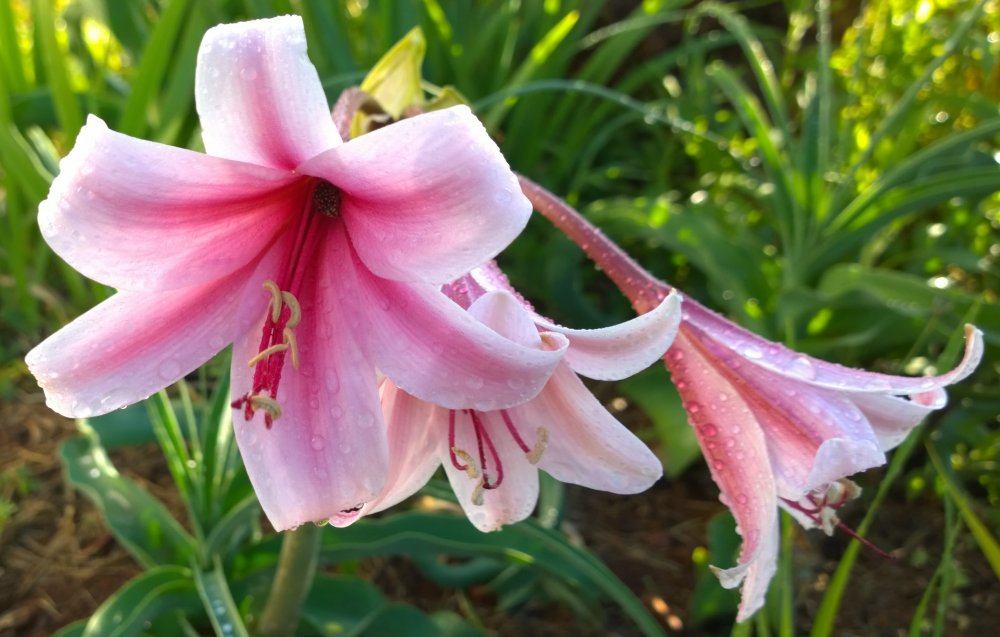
491, 454
777, 428
319, 260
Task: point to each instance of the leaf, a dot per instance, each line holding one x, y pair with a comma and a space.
233, 529
213, 589
656, 395
56, 70
526, 543
159, 590
137, 520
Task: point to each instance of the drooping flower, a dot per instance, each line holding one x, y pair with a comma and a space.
320, 260
492, 455
777, 428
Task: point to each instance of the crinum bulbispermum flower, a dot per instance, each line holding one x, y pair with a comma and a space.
777, 428
320, 260
491, 454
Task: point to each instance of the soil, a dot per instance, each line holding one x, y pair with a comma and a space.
58, 561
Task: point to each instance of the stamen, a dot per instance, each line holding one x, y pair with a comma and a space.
294, 309
292, 345
470, 464
261, 355
276, 295
483, 436
268, 404
477, 493
534, 454
541, 442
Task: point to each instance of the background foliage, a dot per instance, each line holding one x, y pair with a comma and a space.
826, 173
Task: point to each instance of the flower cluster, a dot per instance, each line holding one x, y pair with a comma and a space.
374, 340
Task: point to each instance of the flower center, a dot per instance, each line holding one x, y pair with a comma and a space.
284, 311
489, 470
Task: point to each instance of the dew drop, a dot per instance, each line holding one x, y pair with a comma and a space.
710, 430
317, 443
750, 350
802, 367
693, 407
474, 382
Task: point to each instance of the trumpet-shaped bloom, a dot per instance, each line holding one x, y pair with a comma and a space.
319, 260
492, 454
779, 428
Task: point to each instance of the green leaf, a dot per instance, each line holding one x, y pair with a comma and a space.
342, 605
657, 396
213, 589
159, 590
235, 526
526, 543
56, 70
137, 520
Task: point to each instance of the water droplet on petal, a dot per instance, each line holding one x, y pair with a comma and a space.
317, 443
802, 367
169, 370
751, 350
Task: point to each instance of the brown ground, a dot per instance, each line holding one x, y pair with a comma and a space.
58, 562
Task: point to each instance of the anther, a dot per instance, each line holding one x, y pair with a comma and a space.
294, 309
274, 349
276, 296
268, 404
470, 464
541, 442
477, 494
292, 345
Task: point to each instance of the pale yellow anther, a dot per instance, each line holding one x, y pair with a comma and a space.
279, 347
276, 296
294, 309
541, 442
477, 494
470, 464
268, 404
293, 347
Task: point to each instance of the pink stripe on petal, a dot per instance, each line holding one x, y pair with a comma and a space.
782, 360
327, 452
259, 97
136, 343
136, 215
427, 198
736, 452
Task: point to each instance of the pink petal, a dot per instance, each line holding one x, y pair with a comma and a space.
892, 418
741, 469
135, 215
789, 363
427, 198
620, 351
515, 498
258, 95
414, 437
136, 343
327, 452
587, 446
432, 348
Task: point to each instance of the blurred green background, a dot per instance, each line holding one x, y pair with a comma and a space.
825, 173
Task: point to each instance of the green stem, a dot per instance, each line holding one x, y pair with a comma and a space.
294, 578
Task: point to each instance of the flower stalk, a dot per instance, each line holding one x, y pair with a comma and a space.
292, 582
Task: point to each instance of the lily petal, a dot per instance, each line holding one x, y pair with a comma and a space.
135, 215
741, 469
514, 499
412, 434
619, 351
135, 343
427, 198
259, 97
587, 446
892, 418
787, 362
424, 342
327, 452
